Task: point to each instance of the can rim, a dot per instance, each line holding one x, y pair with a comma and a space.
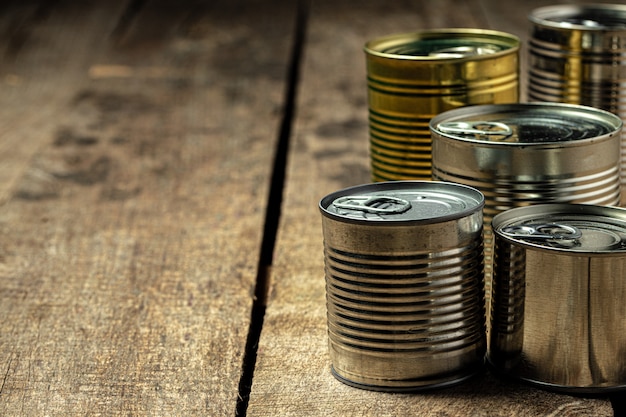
477, 110
469, 192
519, 214
374, 46
541, 16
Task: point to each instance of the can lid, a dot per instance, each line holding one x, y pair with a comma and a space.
402, 201
441, 44
565, 227
525, 123
592, 17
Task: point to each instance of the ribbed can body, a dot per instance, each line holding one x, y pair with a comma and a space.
558, 313
405, 296
414, 76
577, 55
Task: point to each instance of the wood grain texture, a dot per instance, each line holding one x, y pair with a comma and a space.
135, 165
330, 152
40, 69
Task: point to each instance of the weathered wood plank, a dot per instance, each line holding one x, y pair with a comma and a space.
39, 72
330, 152
132, 224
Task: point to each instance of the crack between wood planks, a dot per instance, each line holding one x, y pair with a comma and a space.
20, 31
6, 376
618, 402
130, 13
273, 212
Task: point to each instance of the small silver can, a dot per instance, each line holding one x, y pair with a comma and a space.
529, 153
404, 284
577, 55
558, 311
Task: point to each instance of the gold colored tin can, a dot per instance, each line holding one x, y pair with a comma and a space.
558, 311
412, 77
404, 284
577, 55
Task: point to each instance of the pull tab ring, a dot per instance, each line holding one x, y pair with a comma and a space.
543, 231
462, 51
481, 128
373, 204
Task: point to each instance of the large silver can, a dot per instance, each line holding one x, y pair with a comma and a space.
404, 284
412, 77
558, 311
577, 55
523, 154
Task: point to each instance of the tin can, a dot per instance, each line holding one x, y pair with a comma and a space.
559, 316
404, 284
531, 153
412, 77
577, 55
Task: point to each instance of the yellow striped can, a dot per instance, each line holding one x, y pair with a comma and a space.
412, 77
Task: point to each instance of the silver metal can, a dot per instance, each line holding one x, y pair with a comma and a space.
412, 77
532, 153
577, 55
558, 313
404, 284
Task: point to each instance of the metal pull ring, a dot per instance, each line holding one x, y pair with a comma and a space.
462, 51
373, 204
543, 231
481, 128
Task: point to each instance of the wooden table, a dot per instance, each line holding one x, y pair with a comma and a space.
160, 168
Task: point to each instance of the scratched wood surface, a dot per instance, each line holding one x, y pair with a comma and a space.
330, 151
136, 145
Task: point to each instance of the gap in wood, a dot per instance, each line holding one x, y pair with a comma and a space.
273, 212
618, 402
19, 32
132, 10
